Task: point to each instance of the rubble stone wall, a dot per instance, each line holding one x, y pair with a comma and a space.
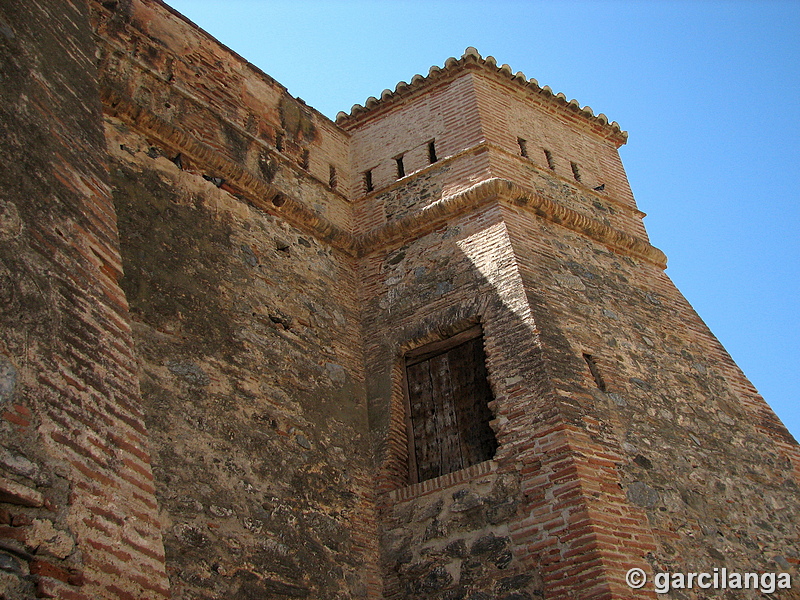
246, 331
246, 326
692, 444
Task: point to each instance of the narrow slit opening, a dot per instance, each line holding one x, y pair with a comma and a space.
432, 158
523, 147
596, 375
332, 179
576, 173
549, 157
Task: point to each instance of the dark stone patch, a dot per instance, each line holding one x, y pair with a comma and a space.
396, 258
236, 143
400, 555
502, 560
693, 499
249, 256
489, 544
465, 500
170, 268
456, 593
456, 549
296, 120
268, 168
715, 554
429, 512
8, 380
436, 529
191, 536
471, 571
512, 583
190, 372
438, 578
256, 590
10, 564
516, 596
642, 494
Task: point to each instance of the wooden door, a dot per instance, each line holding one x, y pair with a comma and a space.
448, 397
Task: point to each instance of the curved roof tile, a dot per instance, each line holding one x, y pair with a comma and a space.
472, 56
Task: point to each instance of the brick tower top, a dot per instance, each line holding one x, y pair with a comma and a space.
472, 60
472, 126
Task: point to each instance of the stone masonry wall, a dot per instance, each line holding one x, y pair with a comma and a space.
695, 448
78, 516
449, 537
246, 332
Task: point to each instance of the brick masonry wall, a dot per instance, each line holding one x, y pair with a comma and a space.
78, 516
476, 117
508, 114
447, 113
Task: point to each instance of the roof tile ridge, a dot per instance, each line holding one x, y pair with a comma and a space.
472, 56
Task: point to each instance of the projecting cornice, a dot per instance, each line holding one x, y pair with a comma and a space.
471, 59
276, 200
502, 190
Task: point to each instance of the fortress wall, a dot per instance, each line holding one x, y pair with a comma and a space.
247, 336
207, 353
450, 536
160, 72
78, 515
702, 470
246, 327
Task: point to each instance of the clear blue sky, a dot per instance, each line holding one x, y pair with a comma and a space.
707, 90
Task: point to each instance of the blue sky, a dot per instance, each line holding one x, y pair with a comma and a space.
707, 90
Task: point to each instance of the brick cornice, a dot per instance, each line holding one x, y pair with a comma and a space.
502, 190
272, 199
241, 181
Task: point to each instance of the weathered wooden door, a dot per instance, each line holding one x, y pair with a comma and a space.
448, 397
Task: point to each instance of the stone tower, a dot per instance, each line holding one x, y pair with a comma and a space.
424, 351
